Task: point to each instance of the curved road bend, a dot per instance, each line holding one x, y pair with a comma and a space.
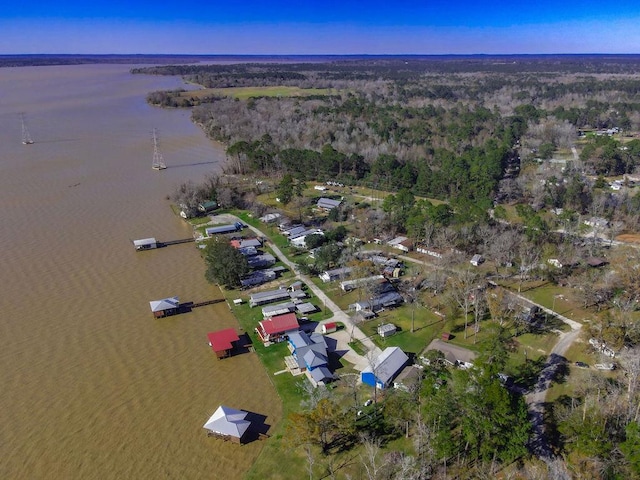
351, 330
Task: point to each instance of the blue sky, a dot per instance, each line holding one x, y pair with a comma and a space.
320, 27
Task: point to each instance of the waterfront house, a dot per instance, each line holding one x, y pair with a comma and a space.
384, 368
222, 342
310, 355
246, 243
278, 309
165, 307
258, 278
261, 261
221, 229
228, 424
271, 296
275, 329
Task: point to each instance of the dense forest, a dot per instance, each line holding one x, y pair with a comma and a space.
448, 128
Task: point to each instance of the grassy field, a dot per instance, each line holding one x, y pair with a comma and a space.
244, 93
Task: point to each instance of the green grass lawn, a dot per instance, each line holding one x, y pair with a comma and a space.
427, 326
244, 93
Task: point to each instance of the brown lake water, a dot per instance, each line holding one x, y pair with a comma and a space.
91, 386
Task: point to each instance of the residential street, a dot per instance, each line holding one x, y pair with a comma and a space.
342, 337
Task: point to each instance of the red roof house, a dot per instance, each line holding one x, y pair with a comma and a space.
222, 341
273, 329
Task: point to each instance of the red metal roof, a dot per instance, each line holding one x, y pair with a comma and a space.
280, 323
222, 339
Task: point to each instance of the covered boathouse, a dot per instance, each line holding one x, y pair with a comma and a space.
165, 307
228, 424
145, 244
222, 342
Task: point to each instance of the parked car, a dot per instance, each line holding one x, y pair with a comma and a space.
582, 365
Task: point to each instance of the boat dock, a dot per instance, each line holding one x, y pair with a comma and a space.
152, 243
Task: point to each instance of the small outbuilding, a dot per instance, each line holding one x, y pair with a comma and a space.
386, 330
477, 260
329, 327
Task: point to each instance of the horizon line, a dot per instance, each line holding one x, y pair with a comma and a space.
321, 54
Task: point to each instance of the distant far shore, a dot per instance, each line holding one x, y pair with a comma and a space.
24, 60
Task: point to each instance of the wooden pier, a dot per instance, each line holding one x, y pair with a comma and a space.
152, 243
176, 242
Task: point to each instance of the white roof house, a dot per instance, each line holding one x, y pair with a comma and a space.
228, 422
335, 274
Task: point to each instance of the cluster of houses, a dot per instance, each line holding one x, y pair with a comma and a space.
280, 310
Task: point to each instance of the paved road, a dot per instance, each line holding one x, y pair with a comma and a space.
342, 337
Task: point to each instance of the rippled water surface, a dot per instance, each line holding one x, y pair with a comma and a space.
92, 386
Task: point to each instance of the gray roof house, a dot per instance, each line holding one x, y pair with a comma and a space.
262, 298
385, 367
379, 302
328, 204
453, 354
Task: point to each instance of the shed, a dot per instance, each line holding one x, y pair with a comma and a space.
145, 244
329, 327
165, 307
385, 367
386, 330
477, 260
221, 342
228, 423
